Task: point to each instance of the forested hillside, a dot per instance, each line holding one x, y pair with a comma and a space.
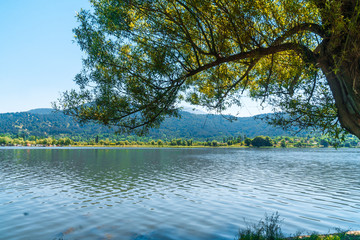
44, 122
202, 126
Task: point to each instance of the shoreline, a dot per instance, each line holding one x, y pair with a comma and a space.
170, 146
349, 235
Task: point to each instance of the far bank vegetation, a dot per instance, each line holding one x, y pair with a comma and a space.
135, 141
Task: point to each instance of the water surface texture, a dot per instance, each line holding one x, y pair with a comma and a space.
174, 193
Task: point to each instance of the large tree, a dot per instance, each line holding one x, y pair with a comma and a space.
144, 56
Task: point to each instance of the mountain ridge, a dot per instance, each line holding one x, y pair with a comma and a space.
46, 122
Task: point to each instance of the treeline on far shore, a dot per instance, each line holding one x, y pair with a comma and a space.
239, 141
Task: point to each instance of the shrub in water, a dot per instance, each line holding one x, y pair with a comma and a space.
267, 229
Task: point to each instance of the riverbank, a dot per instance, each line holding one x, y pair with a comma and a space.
236, 146
349, 235
270, 229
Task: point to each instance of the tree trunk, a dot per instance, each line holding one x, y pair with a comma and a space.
344, 84
339, 59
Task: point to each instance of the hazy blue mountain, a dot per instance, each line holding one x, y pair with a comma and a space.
41, 111
45, 122
193, 110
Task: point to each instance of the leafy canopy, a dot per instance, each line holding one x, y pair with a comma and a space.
145, 56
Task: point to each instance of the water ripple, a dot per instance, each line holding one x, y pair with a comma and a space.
173, 193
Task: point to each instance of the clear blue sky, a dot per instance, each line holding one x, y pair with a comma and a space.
38, 59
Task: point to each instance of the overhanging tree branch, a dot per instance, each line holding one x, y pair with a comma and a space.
310, 27
306, 54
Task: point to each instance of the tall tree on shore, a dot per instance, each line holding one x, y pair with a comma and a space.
143, 57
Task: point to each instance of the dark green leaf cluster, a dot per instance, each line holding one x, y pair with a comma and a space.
261, 141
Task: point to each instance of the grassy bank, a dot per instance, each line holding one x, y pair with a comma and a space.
270, 229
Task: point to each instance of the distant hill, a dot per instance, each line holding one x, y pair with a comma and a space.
193, 110
45, 122
201, 126
41, 111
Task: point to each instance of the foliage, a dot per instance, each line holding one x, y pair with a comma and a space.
160, 143
324, 143
261, 141
8, 140
247, 141
5, 140
268, 229
144, 57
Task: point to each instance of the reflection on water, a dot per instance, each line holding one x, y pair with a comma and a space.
173, 193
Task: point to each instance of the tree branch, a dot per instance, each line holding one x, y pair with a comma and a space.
307, 55
311, 27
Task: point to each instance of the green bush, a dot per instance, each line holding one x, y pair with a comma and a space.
247, 141
268, 229
261, 141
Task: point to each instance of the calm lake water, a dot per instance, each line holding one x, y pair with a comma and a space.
200, 194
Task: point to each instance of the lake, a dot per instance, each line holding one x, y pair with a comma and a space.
143, 194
